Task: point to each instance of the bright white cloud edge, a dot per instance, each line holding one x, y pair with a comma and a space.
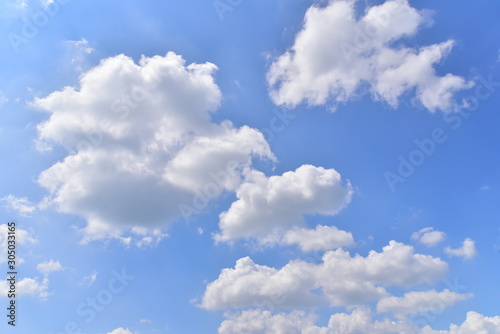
337, 57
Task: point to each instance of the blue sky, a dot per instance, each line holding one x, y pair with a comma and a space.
251, 166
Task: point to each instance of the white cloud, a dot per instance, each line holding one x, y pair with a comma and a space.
150, 238
321, 238
23, 237
340, 280
467, 251
34, 287
249, 284
263, 322
20, 205
145, 321
121, 330
141, 145
79, 50
428, 236
49, 266
420, 301
269, 206
360, 320
28, 286
337, 57
475, 323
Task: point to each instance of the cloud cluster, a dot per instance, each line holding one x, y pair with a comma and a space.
263, 322
340, 280
360, 320
338, 56
141, 143
142, 150
33, 286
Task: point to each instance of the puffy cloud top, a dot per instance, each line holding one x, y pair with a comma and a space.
337, 57
269, 206
342, 279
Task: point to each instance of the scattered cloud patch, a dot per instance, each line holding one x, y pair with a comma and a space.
149, 238
21, 205
79, 51
428, 236
49, 266
23, 237
360, 320
34, 286
467, 250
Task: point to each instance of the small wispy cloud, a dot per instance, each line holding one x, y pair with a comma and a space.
49, 266
467, 250
428, 236
89, 280
20, 205
3, 99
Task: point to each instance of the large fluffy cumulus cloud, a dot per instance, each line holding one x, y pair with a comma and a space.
338, 56
141, 143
